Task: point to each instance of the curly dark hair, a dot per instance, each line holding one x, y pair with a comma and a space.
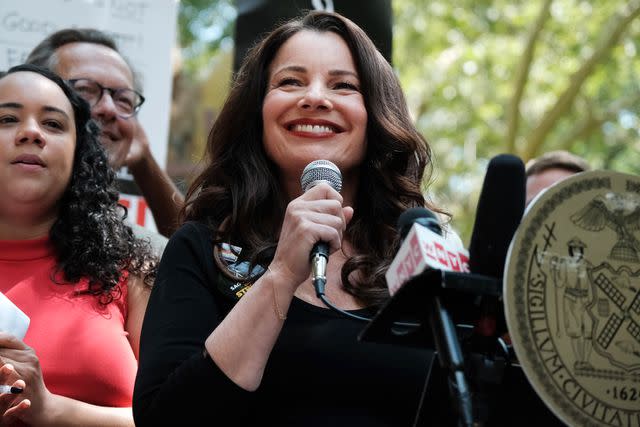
240, 186
90, 238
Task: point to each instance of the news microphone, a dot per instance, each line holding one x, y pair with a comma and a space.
423, 247
500, 209
442, 327
317, 172
499, 212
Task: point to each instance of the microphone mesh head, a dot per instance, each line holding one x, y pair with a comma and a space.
320, 171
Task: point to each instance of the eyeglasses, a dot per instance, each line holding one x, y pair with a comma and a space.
127, 101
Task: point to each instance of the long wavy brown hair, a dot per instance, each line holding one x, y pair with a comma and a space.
239, 184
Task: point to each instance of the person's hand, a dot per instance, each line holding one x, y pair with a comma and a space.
11, 405
139, 149
32, 405
317, 215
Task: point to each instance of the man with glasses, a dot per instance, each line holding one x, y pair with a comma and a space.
89, 60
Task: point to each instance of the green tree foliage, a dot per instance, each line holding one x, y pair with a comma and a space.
488, 77
204, 26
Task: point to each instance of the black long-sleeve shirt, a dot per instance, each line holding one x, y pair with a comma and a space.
318, 373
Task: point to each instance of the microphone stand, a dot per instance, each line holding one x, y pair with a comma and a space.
451, 359
409, 301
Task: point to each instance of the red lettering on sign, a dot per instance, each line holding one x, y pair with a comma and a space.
142, 212
441, 255
464, 262
126, 203
454, 261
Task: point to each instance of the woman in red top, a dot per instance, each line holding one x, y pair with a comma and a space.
66, 259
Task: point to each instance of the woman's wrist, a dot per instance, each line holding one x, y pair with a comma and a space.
46, 410
276, 304
282, 277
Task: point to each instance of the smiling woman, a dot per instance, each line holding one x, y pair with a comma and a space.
233, 318
67, 260
313, 107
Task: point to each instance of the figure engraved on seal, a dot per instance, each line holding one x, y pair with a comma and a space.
570, 274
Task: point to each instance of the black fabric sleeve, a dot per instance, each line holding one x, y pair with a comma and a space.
177, 381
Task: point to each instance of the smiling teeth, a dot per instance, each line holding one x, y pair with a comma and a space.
312, 128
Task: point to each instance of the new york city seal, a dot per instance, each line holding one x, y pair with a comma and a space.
572, 298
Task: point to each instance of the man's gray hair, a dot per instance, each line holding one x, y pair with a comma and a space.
45, 53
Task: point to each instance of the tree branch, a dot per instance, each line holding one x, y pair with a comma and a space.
616, 26
592, 121
522, 75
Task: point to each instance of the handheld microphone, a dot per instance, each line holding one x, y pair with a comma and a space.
499, 212
317, 172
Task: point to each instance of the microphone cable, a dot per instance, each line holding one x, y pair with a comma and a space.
319, 285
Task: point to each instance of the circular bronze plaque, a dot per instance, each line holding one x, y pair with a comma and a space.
572, 298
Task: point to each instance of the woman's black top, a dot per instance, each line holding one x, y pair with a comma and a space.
318, 373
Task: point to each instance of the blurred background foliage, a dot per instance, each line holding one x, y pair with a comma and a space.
481, 78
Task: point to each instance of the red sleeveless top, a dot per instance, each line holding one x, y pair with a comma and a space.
82, 346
